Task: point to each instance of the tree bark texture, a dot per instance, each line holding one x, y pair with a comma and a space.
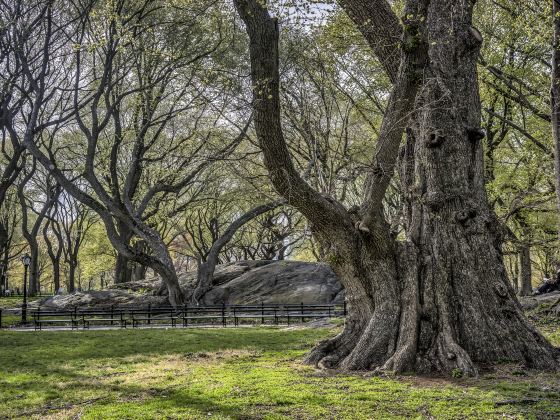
555, 97
439, 301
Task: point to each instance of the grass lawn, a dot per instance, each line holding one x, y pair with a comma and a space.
243, 373
15, 301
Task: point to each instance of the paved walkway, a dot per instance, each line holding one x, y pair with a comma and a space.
141, 327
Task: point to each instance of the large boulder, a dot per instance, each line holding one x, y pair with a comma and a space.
548, 302
241, 282
279, 282
101, 299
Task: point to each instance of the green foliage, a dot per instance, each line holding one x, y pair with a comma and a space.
96, 254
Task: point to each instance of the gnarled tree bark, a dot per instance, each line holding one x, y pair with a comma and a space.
440, 300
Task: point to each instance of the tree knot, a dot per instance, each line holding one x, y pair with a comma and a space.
434, 199
501, 290
474, 38
463, 216
475, 134
435, 139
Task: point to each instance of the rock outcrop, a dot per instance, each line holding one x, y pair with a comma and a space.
549, 302
243, 282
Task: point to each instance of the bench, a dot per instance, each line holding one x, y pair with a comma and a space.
54, 317
89, 317
209, 313
149, 316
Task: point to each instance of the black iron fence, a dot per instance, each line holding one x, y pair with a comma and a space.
185, 316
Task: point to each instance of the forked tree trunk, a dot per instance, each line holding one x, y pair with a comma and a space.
439, 301
205, 273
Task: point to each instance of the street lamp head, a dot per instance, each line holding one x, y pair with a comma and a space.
26, 260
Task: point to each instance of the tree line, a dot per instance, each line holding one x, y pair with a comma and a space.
408, 144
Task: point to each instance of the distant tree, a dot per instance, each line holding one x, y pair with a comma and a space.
45, 193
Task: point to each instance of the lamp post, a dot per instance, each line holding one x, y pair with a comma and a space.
26, 260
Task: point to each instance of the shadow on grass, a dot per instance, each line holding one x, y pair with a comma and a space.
234, 373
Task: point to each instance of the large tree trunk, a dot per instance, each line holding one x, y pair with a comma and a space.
123, 272
139, 270
555, 97
123, 267
440, 301
34, 268
72, 276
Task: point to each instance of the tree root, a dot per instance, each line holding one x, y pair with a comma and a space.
328, 353
376, 343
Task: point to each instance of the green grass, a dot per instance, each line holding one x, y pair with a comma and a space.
15, 302
244, 373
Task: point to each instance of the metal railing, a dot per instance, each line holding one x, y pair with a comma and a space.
186, 315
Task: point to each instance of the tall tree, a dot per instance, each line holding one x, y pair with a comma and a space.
440, 300
143, 111
555, 96
31, 227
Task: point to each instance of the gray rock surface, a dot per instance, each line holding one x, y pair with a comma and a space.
549, 302
279, 282
530, 302
243, 282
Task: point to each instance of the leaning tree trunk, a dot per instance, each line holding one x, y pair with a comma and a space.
440, 301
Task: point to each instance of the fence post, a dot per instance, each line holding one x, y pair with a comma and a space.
149, 313
0, 318
302, 312
262, 312
344, 310
112, 307
224, 314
